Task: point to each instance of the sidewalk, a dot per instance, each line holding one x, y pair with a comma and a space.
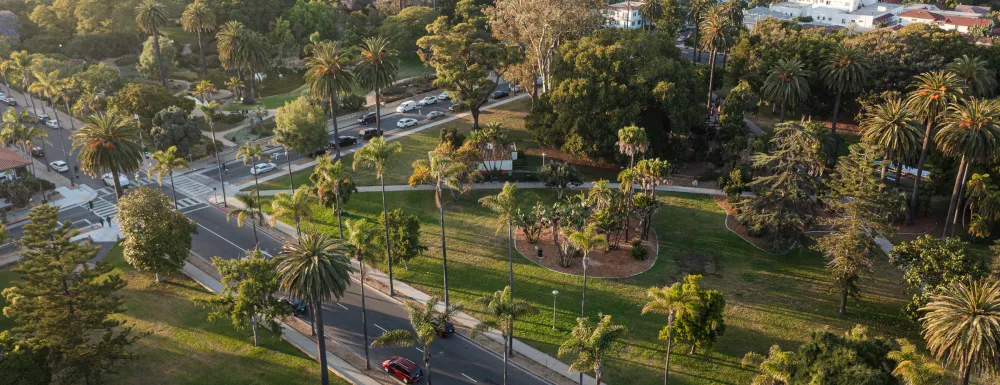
498, 185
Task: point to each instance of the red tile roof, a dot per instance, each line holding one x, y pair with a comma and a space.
9, 160
951, 20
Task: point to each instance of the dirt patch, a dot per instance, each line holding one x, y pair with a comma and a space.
696, 263
737, 228
603, 264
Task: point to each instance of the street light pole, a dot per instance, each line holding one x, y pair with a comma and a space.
555, 294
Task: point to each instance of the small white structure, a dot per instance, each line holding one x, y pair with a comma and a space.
752, 16
864, 15
625, 15
947, 20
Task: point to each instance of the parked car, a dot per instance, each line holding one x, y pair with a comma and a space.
443, 96
408, 105
37, 152
52, 123
369, 133
59, 166
499, 94
109, 180
261, 168
346, 140
43, 118
456, 108
427, 101
370, 117
3, 96
321, 152
406, 122
447, 330
403, 369
299, 308
10, 102
435, 114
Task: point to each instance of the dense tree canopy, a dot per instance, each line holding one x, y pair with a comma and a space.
173, 126
307, 17
146, 100
403, 29
157, 239
301, 126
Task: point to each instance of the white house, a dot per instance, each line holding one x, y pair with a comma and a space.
868, 14
625, 15
947, 20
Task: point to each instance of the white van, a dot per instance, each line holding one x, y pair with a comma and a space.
406, 106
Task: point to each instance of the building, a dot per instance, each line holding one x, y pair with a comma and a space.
625, 15
864, 15
754, 15
947, 20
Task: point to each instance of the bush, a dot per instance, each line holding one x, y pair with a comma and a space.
127, 60
191, 60
352, 102
639, 251
231, 118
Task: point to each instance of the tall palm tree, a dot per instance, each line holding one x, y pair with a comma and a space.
500, 312
586, 241
891, 127
360, 241
592, 342
21, 62
199, 18
969, 131
378, 68
297, 206
718, 36
650, 11
427, 323
670, 301
962, 327
505, 204
249, 212
5, 66
978, 78
231, 56
151, 16
930, 96
51, 86
257, 55
234, 85
62, 91
375, 155
846, 72
632, 141
696, 10
108, 142
331, 177
328, 76
209, 109
166, 162
786, 84
22, 135
315, 269
253, 152
913, 368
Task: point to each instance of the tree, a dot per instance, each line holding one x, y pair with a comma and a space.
166, 162
151, 16
586, 241
505, 205
99, 78
979, 79
632, 141
427, 324
968, 131
592, 342
774, 369
297, 206
331, 177
845, 73
786, 85
930, 264
244, 51
851, 358
696, 11
204, 88
361, 243
464, 58
914, 368
376, 154
300, 126
248, 211
22, 363
108, 143
156, 238
701, 322
174, 127
145, 100
199, 18
150, 59
315, 269
718, 36
404, 235
253, 153
559, 175
650, 10
961, 327
500, 312
670, 301
63, 306
929, 98
404, 28
313, 17
377, 69
891, 127
329, 77
248, 294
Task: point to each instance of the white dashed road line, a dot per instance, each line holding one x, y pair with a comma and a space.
470, 378
382, 328
342, 306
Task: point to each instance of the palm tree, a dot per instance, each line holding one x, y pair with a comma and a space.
231, 56
234, 85
150, 16
650, 10
166, 162
786, 85
203, 89
891, 127
591, 342
22, 135
328, 77
253, 152
670, 301
427, 323
108, 143
360, 241
315, 269
696, 10
500, 312
585, 241
5, 66
249, 212
632, 140
62, 91
968, 131
378, 68
209, 109
257, 55
978, 78
505, 204
199, 18
847, 71
331, 177
52, 87
298, 206
962, 327
930, 96
913, 368
21, 62
774, 369
718, 37
376, 154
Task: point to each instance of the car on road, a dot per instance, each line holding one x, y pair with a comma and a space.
321, 152
52, 123
369, 133
403, 369
3, 96
345, 140
499, 94
444, 96
447, 330
427, 101
59, 166
406, 122
367, 118
37, 152
456, 108
434, 114
299, 308
43, 118
261, 168
406, 106
10, 102
109, 180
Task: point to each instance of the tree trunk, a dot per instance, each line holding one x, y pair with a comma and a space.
321, 343
201, 49
218, 160
959, 211
72, 127
159, 60
336, 207
245, 96
475, 117
253, 87
920, 169
505, 360
255, 239
954, 197
843, 299
885, 166
291, 182
173, 191
256, 184
583, 298
670, 340
336, 129
781, 119
695, 55
510, 255
711, 77
444, 247
966, 374
388, 251
833, 128
899, 172
364, 310
427, 363
256, 335
118, 185
378, 110
159, 278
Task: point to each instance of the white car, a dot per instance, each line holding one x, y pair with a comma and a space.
110, 180
428, 101
435, 114
262, 168
406, 122
59, 166
2, 96
52, 123
406, 106
443, 96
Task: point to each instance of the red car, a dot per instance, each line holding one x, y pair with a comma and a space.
403, 369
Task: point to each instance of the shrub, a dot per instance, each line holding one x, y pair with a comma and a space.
231, 118
352, 102
639, 250
127, 60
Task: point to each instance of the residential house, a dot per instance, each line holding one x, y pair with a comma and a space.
962, 22
625, 15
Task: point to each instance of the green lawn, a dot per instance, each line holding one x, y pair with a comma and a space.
181, 37
184, 348
771, 299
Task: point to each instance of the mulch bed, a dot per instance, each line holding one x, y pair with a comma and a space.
737, 228
613, 264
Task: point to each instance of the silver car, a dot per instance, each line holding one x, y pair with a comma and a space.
435, 114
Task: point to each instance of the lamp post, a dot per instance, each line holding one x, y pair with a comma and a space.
543, 159
555, 294
215, 191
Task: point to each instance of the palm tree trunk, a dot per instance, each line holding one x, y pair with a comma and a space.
298, 230
173, 191
255, 239
444, 247
628, 202
378, 109
959, 210
364, 311
159, 60
695, 55
159, 278
711, 77
118, 185
218, 160
670, 340
256, 335
291, 183
725, 55
505, 345
427, 363
510, 255
833, 127
843, 299
201, 49
256, 184
781, 119
954, 197
336, 129
583, 301
388, 250
321, 343
920, 169
336, 206
885, 166
899, 172
253, 87
966, 374
72, 128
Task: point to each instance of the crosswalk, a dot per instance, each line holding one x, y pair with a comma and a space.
103, 207
191, 187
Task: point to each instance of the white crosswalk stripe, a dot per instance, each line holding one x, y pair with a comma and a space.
103, 208
105, 191
189, 187
187, 202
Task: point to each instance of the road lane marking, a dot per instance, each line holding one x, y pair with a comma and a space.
220, 237
470, 378
200, 208
376, 325
342, 306
421, 350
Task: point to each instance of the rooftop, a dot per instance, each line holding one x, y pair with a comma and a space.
626, 4
10, 160
946, 19
790, 4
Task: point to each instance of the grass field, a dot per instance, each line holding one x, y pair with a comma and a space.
771, 299
184, 348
